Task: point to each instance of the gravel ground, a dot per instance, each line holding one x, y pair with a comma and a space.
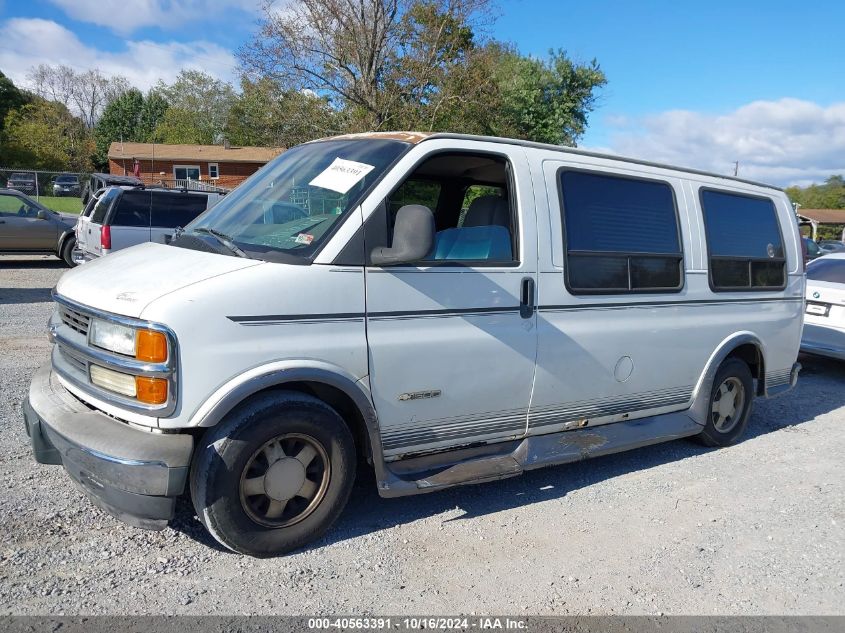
674, 529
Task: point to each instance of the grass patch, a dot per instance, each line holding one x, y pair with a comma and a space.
62, 205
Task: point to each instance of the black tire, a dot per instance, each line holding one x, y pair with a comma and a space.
229, 452
725, 430
66, 254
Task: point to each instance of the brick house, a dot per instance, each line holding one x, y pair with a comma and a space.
221, 165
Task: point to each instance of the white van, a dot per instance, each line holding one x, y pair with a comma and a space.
450, 309
121, 216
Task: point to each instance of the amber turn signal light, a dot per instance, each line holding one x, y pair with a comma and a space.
150, 346
150, 390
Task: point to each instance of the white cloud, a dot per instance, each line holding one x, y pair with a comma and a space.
25, 43
125, 16
784, 142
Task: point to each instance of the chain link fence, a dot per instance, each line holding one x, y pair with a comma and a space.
57, 190
63, 191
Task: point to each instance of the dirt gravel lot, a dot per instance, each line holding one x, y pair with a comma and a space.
674, 529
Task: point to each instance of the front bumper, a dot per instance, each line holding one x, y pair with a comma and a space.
81, 257
133, 475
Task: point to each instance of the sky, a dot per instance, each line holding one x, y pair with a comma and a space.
694, 84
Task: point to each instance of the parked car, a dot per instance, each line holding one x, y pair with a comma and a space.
811, 249
100, 181
66, 185
23, 181
339, 307
27, 226
831, 246
824, 321
126, 216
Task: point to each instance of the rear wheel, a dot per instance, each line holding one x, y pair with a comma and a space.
66, 253
730, 404
274, 475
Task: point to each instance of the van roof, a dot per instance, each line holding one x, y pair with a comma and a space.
418, 137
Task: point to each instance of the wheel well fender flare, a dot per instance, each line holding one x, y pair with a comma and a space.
63, 238
701, 399
294, 373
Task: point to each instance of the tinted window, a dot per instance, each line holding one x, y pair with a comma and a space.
176, 209
67, 179
98, 215
133, 209
621, 234
743, 241
827, 270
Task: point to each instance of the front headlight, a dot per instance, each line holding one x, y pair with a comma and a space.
147, 345
112, 337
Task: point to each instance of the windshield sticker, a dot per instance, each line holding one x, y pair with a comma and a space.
304, 238
341, 175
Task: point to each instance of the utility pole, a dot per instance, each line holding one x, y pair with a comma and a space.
736, 168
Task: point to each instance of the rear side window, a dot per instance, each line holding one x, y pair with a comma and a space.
621, 234
744, 243
133, 209
176, 209
103, 204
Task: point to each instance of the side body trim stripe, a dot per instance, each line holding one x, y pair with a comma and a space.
276, 319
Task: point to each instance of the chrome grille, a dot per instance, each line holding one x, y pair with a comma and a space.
75, 320
74, 361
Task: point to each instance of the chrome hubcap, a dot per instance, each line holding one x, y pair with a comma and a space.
285, 480
728, 405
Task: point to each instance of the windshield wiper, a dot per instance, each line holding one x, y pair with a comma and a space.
224, 239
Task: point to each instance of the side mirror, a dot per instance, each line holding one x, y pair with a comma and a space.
41, 215
413, 237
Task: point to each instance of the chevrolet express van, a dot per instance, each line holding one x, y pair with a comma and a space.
448, 309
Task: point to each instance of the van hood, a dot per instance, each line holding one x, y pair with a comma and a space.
126, 282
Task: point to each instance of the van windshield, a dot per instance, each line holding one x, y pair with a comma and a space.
290, 206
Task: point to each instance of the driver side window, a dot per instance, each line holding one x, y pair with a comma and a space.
13, 206
470, 198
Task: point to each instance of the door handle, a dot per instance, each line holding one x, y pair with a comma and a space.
526, 298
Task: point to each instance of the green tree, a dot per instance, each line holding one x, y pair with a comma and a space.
45, 135
829, 195
199, 108
381, 61
119, 122
129, 117
422, 64
152, 113
11, 98
545, 100
266, 114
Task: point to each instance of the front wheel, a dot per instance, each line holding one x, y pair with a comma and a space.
730, 404
274, 474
